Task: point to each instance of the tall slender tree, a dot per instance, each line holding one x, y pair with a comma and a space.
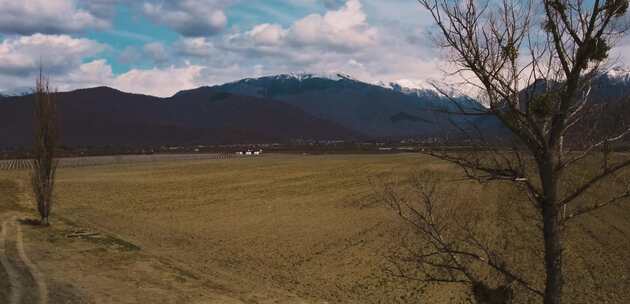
44, 146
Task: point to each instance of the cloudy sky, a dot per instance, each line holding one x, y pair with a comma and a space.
159, 47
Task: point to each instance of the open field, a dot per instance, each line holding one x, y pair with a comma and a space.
280, 229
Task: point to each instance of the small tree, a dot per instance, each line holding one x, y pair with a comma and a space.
46, 132
534, 63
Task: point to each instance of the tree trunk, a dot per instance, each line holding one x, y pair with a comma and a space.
44, 212
553, 256
552, 232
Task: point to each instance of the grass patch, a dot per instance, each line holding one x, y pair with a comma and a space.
9, 192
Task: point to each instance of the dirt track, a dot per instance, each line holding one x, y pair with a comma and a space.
26, 283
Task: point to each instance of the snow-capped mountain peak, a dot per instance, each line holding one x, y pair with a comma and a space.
416, 87
428, 87
16, 91
301, 76
619, 73
419, 85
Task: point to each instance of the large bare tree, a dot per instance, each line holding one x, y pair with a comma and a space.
534, 63
45, 144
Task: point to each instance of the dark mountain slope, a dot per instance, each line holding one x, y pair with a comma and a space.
104, 116
369, 109
268, 109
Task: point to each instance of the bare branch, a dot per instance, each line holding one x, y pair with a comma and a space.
617, 199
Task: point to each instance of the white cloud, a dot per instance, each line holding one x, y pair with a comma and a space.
268, 34
104, 9
159, 82
129, 55
91, 74
620, 54
156, 51
191, 18
163, 82
63, 60
339, 40
346, 27
195, 47
26, 17
57, 53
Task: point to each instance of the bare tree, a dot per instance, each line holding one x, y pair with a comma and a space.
445, 246
46, 135
534, 64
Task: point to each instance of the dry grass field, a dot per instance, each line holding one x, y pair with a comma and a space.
278, 229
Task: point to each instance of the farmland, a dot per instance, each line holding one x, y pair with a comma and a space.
70, 162
276, 229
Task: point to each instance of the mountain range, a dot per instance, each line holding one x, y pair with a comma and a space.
279, 108
368, 109
107, 117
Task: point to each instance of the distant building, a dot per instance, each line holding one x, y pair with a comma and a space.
250, 152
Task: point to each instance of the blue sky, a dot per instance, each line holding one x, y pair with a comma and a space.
159, 47
131, 29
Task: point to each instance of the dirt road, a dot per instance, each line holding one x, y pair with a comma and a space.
26, 284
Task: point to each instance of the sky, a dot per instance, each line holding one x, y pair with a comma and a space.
159, 47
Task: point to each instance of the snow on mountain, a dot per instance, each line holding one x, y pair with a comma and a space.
423, 88
616, 76
618, 73
302, 76
331, 76
419, 88
407, 87
410, 85
16, 91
